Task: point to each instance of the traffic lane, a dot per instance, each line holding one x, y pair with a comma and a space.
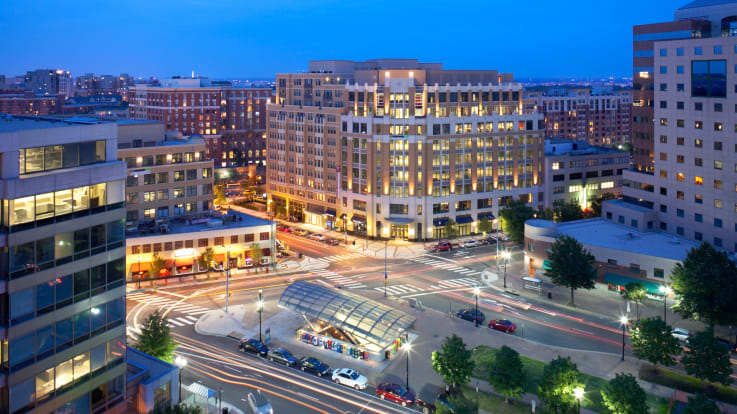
310, 247
217, 351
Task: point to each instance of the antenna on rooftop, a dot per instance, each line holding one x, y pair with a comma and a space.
193, 74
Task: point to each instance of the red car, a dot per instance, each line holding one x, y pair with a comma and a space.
442, 247
395, 393
502, 325
285, 229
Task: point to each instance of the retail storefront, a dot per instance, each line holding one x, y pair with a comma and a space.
343, 322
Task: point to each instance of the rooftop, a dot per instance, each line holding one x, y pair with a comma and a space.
604, 233
15, 123
148, 367
706, 3
216, 221
559, 146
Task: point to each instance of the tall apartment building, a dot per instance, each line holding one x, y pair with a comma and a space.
62, 293
576, 171
599, 116
692, 190
50, 81
397, 148
232, 120
89, 84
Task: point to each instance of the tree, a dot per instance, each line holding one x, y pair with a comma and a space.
157, 265
506, 373
634, 292
706, 359
206, 258
219, 195
453, 362
567, 211
256, 253
451, 229
623, 395
546, 214
597, 203
560, 378
571, 265
155, 338
485, 225
701, 404
460, 404
513, 217
704, 285
177, 409
652, 340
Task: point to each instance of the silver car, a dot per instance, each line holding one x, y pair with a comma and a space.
259, 404
681, 334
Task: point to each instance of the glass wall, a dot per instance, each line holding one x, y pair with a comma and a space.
54, 157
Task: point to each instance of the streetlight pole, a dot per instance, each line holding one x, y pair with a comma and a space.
623, 321
386, 275
260, 305
505, 256
578, 394
181, 363
407, 348
666, 291
476, 315
227, 279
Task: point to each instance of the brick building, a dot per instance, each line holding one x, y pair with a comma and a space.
18, 102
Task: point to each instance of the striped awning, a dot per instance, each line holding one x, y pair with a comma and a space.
201, 390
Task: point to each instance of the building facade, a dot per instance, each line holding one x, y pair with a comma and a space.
397, 148
232, 120
578, 172
693, 185
18, 102
50, 81
601, 117
62, 293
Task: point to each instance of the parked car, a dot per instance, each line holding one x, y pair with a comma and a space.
470, 243
681, 334
283, 356
318, 237
395, 393
259, 404
471, 315
253, 346
431, 406
442, 247
489, 241
309, 364
332, 242
300, 232
350, 378
285, 229
503, 325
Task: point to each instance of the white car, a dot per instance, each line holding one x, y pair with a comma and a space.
259, 404
317, 236
681, 334
470, 243
350, 378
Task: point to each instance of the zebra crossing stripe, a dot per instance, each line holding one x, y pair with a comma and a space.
454, 268
175, 322
184, 308
192, 318
199, 312
466, 271
475, 272
451, 283
184, 321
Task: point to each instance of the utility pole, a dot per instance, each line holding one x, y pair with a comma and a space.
386, 275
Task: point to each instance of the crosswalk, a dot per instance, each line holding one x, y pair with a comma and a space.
449, 266
442, 285
463, 253
394, 290
339, 258
173, 322
462, 283
340, 280
168, 303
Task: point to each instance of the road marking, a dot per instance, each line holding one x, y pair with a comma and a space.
176, 322
192, 318
439, 257
308, 396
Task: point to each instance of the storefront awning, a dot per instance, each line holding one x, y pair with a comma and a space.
357, 218
199, 389
488, 216
440, 222
314, 209
399, 220
184, 261
620, 280
330, 212
464, 219
144, 267
219, 257
546, 265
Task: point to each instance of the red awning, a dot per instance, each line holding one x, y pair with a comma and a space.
220, 257
184, 261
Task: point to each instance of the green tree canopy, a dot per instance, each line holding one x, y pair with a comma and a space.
506, 373
706, 359
513, 217
450, 229
634, 292
560, 378
653, 341
157, 265
571, 265
701, 404
485, 225
205, 259
623, 395
155, 338
567, 211
597, 202
705, 288
256, 253
453, 362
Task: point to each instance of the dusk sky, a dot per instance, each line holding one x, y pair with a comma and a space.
241, 39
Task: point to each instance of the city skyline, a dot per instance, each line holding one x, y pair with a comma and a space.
258, 40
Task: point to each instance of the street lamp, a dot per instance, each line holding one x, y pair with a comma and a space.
496, 223
260, 306
666, 290
578, 394
227, 278
181, 363
505, 255
407, 348
386, 275
623, 320
476, 316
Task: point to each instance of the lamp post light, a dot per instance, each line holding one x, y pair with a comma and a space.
496, 223
505, 255
666, 291
623, 320
260, 306
180, 362
386, 275
578, 393
407, 348
476, 315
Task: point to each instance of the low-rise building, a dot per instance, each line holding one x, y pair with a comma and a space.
579, 172
150, 383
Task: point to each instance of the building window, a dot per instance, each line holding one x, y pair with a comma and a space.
634, 268
718, 223
659, 273
709, 78
264, 235
698, 218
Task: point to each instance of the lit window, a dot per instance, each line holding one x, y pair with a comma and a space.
556, 166
698, 180
607, 184
717, 203
680, 177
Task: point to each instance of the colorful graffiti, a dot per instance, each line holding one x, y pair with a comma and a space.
332, 345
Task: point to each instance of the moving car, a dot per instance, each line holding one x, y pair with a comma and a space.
300, 232
259, 404
395, 393
503, 325
470, 243
442, 247
470, 315
318, 237
283, 356
681, 334
332, 242
314, 365
350, 378
253, 346
285, 229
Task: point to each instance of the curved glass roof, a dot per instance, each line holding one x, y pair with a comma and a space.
368, 321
